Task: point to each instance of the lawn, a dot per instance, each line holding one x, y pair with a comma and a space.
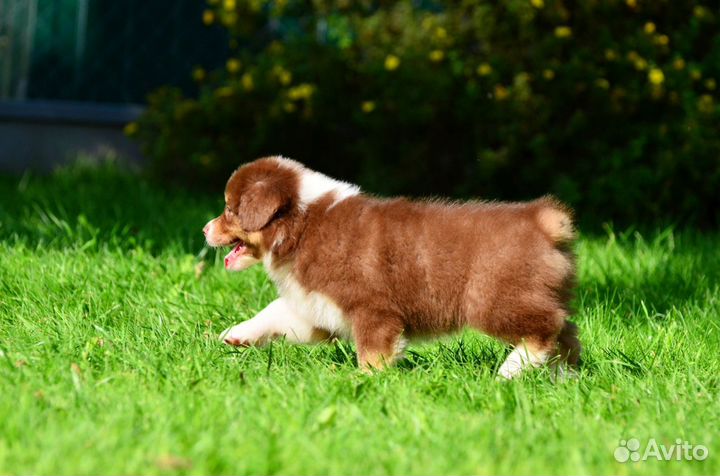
110, 307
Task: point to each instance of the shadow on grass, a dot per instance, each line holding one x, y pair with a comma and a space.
457, 350
634, 277
87, 206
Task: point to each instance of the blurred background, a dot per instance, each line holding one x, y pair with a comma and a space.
612, 105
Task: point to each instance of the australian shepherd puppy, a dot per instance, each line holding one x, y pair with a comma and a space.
383, 271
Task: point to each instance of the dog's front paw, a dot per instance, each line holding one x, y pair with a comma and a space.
241, 335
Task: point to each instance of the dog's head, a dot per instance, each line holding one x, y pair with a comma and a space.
261, 204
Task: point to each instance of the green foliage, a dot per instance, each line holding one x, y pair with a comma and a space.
612, 105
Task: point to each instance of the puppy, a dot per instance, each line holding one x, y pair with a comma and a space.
383, 271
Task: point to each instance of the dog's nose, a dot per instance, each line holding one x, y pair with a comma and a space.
205, 229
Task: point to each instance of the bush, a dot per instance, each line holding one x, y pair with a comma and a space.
611, 105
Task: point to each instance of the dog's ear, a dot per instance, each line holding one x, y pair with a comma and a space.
260, 204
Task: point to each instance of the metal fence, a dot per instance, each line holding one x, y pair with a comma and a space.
102, 50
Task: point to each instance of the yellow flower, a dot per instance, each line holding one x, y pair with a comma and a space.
289, 107
695, 74
710, 84
679, 64
436, 55
649, 28
427, 23
285, 77
233, 65
198, 74
610, 55
662, 40
537, 3
130, 129
548, 74
440, 33
224, 92
208, 17
501, 92
706, 104
484, 69
367, 106
392, 62
633, 56
301, 91
521, 78
602, 83
229, 5
631, 3
656, 76
641, 64
563, 31
247, 82
700, 11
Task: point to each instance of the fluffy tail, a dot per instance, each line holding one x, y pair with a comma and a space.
555, 219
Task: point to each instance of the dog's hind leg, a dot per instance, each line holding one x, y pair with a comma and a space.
526, 354
561, 354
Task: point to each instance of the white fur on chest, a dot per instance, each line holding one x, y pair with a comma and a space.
313, 307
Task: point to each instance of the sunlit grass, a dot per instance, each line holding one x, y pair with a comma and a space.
110, 307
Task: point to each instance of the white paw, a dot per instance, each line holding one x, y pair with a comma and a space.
242, 335
518, 361
509, 370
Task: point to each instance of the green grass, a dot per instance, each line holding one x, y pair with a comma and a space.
110, 362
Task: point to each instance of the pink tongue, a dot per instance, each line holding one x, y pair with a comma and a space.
234, 255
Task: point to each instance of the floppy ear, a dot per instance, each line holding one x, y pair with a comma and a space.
259, 205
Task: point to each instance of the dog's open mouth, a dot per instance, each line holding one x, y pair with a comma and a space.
238, 251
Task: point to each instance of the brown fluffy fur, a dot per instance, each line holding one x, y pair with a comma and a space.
402, 268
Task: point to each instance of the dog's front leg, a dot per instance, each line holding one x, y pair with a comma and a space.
277, 320
378, 338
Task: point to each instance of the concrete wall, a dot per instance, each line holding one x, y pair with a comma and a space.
43, 135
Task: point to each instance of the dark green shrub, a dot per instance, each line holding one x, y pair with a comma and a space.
612, 105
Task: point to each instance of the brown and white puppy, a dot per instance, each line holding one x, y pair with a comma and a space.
382, 271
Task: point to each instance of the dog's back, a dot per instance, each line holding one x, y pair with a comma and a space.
438, 266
